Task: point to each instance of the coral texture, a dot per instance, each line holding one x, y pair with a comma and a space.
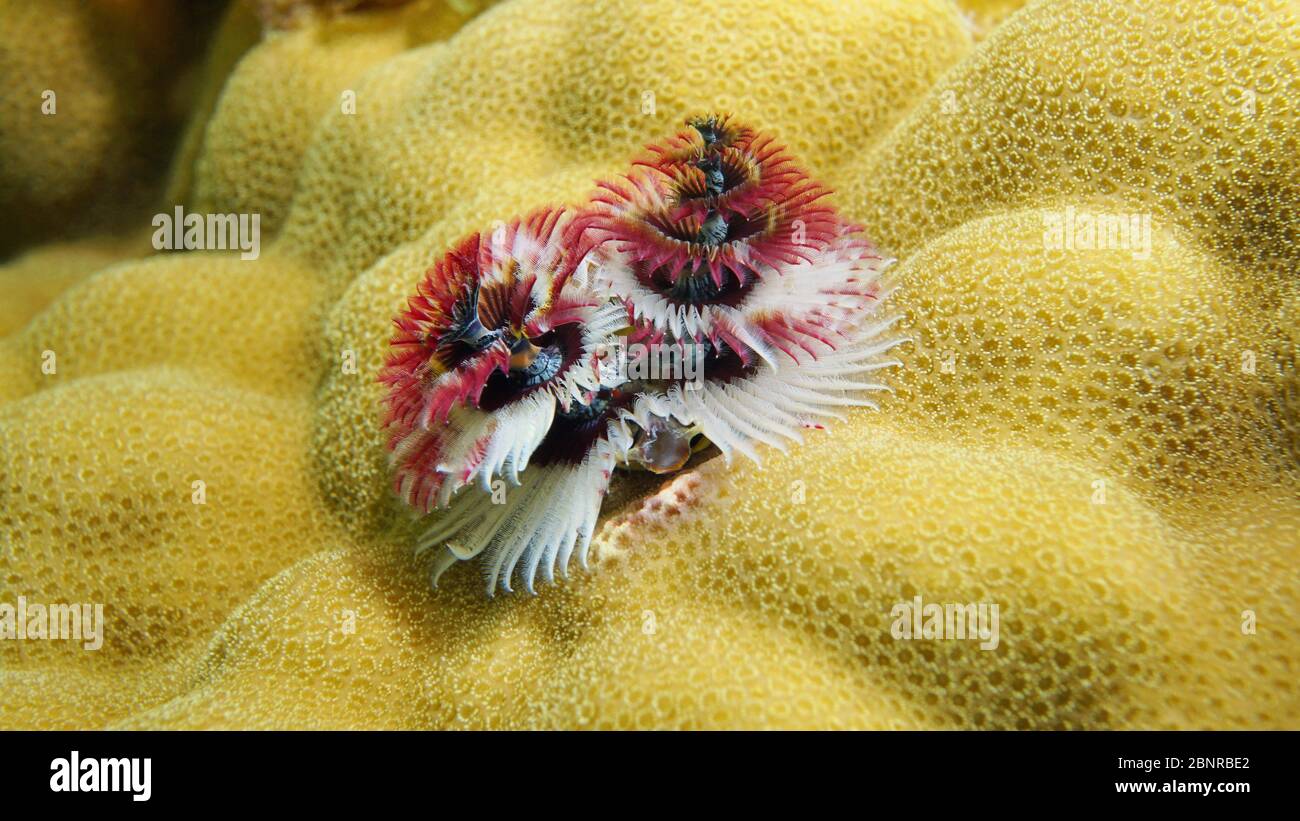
94, 89
1104, 441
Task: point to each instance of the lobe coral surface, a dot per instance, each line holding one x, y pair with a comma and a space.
1162, 375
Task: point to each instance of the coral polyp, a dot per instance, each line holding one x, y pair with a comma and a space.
719, 234
550, 513
740, 406
716, 245
728, 167
496, 336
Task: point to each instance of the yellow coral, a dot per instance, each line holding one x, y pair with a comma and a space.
32, 280
985, 15
248, 160
87, 109
1104, 442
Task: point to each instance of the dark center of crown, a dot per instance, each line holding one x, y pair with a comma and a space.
579, 413
467, 328
696, 287
715, 181
708, 130
543, 367
533, 363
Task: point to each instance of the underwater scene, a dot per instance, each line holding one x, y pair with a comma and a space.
644, 364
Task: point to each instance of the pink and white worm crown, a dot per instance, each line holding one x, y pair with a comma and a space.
711, 295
